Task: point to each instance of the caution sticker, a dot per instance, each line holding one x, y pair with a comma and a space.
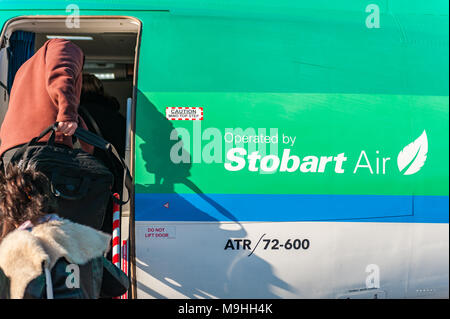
184, 113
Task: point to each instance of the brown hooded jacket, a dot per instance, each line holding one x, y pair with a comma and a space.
46, 89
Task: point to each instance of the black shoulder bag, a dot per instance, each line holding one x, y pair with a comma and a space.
80, 181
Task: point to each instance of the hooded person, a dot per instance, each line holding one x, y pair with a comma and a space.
104, 110
46, 89
45, 256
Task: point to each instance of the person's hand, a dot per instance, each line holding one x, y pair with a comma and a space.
67, 128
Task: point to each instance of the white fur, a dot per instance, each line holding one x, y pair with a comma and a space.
22, 253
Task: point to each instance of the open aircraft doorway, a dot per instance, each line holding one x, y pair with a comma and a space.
111, 48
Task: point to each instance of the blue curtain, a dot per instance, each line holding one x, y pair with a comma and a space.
21, 48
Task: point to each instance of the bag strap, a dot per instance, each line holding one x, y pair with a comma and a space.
99, 142
48, 283
21, 151
87, 117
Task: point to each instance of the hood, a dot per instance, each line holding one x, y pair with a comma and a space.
22, 253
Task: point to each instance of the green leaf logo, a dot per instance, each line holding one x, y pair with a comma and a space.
411, 159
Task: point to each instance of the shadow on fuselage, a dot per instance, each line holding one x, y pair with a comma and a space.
195, 264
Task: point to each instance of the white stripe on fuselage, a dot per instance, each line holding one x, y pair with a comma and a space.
291, 259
